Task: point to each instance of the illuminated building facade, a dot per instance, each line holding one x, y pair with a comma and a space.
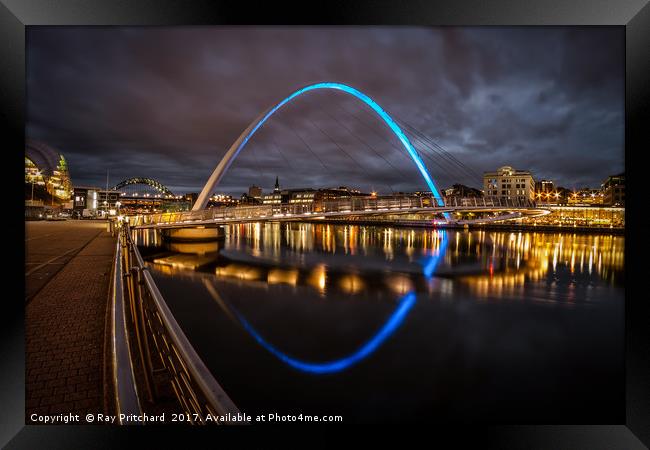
222, 200
303, 197
545, 186
275, 197
509, 183
308, 196
108, 200
614, 190
90, 201
272, 199
47, 170
586, 196
85, 197
580, 216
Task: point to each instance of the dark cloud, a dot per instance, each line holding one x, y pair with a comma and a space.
168, 102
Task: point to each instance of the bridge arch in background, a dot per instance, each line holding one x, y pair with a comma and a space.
243, 139
146, 181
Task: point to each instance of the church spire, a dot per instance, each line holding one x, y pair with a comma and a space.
277, 185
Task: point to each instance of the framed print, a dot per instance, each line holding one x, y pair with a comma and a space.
380, 215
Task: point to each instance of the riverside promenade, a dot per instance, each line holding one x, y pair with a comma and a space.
67, 279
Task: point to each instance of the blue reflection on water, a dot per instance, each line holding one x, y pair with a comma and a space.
394, 321
405, 305
432, 261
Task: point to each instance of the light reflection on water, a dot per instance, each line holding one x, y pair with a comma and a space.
505, 259
310, 294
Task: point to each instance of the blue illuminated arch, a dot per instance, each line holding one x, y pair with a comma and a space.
239, 144
394, 321
392, 324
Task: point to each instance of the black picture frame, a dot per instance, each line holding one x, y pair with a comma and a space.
634, 15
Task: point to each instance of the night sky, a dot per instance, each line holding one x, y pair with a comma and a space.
167, 103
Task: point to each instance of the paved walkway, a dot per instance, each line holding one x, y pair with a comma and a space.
67, 280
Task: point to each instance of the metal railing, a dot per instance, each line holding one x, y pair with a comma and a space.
158, 344
489, 202
126, 392
349, 205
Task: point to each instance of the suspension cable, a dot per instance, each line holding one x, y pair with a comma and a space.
467, 169
399, 150
339, 147
368, 146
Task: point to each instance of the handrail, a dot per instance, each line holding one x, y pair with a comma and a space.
126, 394
211, 388
345, 205
161, 340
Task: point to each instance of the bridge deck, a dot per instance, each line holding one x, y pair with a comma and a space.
65, 316
225, 216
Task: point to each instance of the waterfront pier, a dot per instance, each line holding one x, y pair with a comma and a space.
67, 277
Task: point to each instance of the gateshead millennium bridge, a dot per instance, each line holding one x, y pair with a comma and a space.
375, 209
147, 340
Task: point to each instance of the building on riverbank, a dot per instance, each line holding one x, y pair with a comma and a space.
586, 196
509, 183
46, 174
308, 196
614, 190
581, 216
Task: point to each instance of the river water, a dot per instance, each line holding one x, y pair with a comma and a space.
384, 324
